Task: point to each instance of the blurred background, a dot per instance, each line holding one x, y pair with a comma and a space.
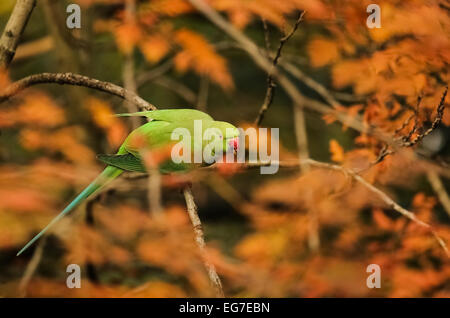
309, 233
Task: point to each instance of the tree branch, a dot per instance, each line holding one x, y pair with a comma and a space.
154, 73
31, 267
311, 83
77, 80
270, 82
128, 72
383, 196
200, 241
14, 29
439, 188
406, 141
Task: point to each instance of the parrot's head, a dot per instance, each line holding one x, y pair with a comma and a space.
229, 136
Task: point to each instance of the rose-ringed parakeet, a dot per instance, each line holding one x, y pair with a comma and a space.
156, 135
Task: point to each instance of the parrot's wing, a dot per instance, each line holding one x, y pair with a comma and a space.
170, 115
126, 162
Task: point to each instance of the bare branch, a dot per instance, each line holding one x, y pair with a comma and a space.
179, 88
434, 125
286, 38
199, 239
405, 140
31, 267
14, 29
73, 79
438, 187
383, 196
128, 71
155, 72
270, 81
319, 88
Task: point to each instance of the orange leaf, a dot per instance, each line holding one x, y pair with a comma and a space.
201, 57
154, 48
337, 152
322, 51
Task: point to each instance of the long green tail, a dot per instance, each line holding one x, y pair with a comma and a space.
109, 174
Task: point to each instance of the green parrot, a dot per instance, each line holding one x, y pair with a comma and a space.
156, 135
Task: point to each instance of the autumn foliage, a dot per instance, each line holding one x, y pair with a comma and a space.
308, 234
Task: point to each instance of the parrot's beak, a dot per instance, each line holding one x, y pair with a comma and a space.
234, 144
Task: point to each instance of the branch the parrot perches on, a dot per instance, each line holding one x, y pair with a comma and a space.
152, 136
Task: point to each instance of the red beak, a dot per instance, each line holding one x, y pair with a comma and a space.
234, 143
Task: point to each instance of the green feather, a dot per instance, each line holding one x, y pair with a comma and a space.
126, 162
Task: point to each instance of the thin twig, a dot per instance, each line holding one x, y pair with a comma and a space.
405, 140
311, 83
73, 79
179, 88
383, 196
437, 121
200, 241
155, 72
128, 72
268, 99
270, 81
416, 119
439, 188
286, 38
32, 267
